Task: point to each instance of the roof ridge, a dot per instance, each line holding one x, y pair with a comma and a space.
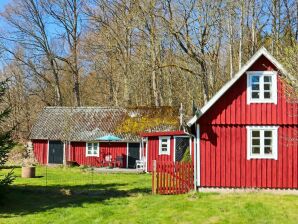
84, 107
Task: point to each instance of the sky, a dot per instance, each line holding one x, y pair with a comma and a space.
3, 3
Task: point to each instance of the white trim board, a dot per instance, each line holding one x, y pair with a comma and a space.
229, 84
48, 150
146, 149
127, 151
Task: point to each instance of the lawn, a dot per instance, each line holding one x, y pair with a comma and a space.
72, 195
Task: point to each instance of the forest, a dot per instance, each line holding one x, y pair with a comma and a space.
132, 53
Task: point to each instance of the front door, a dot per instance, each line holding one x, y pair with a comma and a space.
55, 152
182, 143
133, 154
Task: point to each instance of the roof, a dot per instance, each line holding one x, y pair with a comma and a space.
80, 124
223, 90
163, 133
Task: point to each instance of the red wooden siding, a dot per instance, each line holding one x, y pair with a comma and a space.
223, 139
78, 153
153, 151
232, 107
40, 149
224, 159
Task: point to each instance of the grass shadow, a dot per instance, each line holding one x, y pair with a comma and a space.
24, 199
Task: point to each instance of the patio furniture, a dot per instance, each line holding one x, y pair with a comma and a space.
140, 165
107, 160
119, 161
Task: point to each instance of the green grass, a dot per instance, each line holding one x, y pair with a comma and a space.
126, 198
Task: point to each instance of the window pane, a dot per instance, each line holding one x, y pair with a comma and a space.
256, 142
267, 87
89, 145
255, 95
267, 78
89, 152
256, 150
267, 142
268, 150
255, 86
255, 79
255, 133
95, 147
164, 149
268, 133
164, 145
267, 95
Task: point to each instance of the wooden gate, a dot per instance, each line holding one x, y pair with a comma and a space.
172, 177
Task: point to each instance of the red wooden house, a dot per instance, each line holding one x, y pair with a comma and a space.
165, 146
84, 135
246, 135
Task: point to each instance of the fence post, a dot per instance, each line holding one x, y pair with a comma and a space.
154, 179
92, 173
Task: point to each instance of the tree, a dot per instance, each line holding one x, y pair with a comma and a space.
29, 29
66, 15
6, 142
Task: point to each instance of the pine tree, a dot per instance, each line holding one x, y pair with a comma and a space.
6, 142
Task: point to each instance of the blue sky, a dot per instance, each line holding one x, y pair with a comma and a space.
3, 3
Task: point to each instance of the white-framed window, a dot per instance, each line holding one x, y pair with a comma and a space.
92, 149
262, 142
262, 87
164, 145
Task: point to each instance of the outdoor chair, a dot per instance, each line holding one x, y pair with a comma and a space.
119, 161
140, 165
107, 161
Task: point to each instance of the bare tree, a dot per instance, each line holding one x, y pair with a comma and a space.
67, 14
27, 21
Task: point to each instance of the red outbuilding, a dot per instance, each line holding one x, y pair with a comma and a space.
86, 136
166, 146
246, 135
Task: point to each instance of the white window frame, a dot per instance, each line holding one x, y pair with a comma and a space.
160, 152
261, 74
262, 155
92, 154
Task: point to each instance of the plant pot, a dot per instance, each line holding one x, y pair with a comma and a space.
28, 172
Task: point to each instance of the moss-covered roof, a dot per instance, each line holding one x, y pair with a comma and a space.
91, 123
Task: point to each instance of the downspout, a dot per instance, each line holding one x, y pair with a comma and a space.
197, 127
194, 156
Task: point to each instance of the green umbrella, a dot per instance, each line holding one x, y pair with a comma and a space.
109, 138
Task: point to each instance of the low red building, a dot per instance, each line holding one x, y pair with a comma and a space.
84, 135
165, 146
246, 135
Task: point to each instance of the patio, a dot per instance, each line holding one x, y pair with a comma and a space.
117, 170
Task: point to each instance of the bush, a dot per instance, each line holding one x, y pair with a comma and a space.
186, 156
